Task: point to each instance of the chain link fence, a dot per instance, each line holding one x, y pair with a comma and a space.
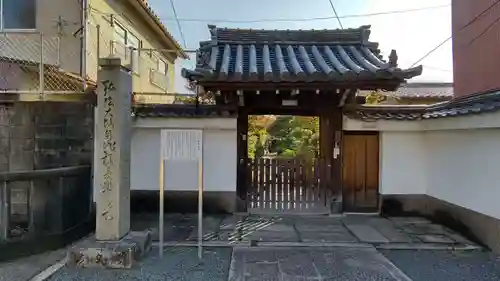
31, 62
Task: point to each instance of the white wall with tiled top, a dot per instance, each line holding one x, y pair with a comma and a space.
452, 159
219, 155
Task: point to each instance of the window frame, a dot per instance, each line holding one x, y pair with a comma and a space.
2, 20
159, 62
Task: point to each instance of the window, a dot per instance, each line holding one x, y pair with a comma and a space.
126, 40
17, 14
162, 66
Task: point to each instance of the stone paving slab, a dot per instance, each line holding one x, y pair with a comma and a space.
366, 233
432, 265
307, 229
25, 268
311, 264
272, 236
178, 263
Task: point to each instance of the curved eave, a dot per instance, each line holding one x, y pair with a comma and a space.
208, 75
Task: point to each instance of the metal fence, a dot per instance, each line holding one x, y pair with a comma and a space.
35, 63
151, 73
43, 203
31, 62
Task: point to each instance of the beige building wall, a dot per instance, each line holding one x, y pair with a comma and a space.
101, 42
57, 40
58, 20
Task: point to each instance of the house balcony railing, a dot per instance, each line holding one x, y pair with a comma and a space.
34, 63
128, 55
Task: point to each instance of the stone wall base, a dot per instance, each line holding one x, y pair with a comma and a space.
110, 254
214, 202
475, 226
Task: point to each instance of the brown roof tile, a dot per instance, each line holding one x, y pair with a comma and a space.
145, 5
438, 90
476, 104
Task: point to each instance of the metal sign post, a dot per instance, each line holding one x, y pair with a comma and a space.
200, 206
162, 199
182, 146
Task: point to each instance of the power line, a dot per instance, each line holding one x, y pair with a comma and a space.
437, 68
461, 29
484, 31
335, 13
431, 51
178, 23
307, 19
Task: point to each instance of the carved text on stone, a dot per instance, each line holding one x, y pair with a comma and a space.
108, 145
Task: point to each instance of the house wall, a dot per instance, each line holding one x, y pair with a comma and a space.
57, 41
102, 14
396, 149
450, 177
473, 63
426, 167
56, 21
181, 187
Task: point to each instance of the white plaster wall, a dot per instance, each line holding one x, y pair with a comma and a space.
463, 168
219, 156
452, 159
402, 163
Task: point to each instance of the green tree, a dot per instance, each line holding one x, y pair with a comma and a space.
294, 136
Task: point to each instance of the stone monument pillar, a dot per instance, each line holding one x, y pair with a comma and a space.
113, 246
112, 167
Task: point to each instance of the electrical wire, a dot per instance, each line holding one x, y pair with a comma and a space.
484, 31
294, 19
437, 68
178, 23
335, 13
461, 29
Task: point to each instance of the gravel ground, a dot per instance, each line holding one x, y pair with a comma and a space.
25, 268
427, 265
177, 264
301, 263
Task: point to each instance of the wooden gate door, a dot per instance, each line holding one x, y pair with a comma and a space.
287, 185
360, 169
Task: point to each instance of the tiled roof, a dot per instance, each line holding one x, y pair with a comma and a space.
242, 55
145, 5
183, 111
481, 103
438, 90
425, 90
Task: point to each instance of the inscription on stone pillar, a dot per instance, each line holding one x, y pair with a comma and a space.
112, 161
108, 145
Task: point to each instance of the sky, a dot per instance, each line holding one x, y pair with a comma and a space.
411, 34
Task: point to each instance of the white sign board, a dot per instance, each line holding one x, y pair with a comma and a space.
181, 145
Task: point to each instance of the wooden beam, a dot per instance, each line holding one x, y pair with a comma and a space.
347, 95
326, 86
343, 98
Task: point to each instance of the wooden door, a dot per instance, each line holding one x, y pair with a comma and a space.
360, 172
287, 185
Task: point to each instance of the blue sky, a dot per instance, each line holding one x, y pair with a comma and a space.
412, 34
